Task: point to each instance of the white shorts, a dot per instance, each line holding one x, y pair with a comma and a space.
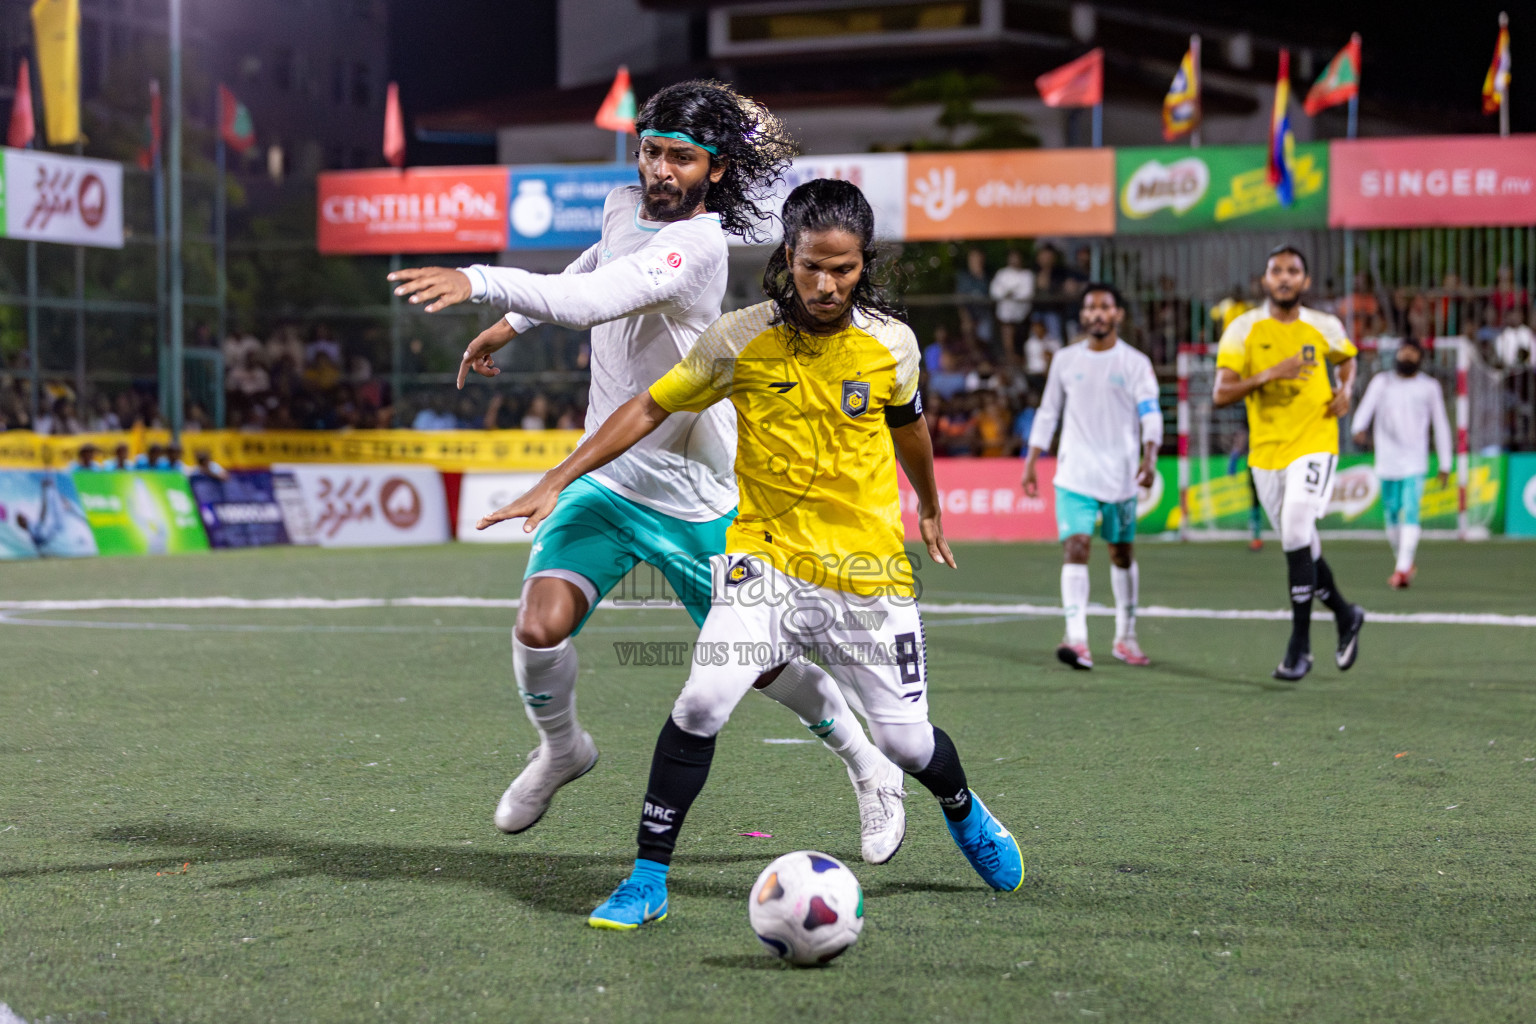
1307, 483
761, 618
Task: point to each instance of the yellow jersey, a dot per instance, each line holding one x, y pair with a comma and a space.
815, 465
1286, 418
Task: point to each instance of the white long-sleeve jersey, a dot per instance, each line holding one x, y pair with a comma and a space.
647, 290
1112, 410
1403, 409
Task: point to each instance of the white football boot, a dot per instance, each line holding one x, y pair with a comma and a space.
882, 812
526, 800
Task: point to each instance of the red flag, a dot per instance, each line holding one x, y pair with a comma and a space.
23, 125
151, 151
394, 128
1339, 82
235, 125
1079, 83
617, 114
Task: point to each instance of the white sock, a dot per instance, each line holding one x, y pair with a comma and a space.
1074, 601
546, 680
1409, 547
1124, 583
806, 689
1395, 538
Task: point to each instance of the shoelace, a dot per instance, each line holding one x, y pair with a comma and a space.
627, 895
884, 797
979, 849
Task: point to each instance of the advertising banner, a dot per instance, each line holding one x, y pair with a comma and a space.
882, 177
561, 207
1459, 180
1520, 512
141, 512
40, 516
483, 493
981, 500
1010, 193
1219, 500
418, 210
366, 506
240, 511
1173, 189
72, 199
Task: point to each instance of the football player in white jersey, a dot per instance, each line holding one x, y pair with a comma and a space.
1403, 406
647, 290
1110, 434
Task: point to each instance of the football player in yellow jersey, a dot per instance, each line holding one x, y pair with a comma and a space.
824, 378
1276, 358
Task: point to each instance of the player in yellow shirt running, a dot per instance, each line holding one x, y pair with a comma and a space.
824, 379
1271, 357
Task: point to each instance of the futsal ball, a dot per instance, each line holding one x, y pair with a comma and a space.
807, 908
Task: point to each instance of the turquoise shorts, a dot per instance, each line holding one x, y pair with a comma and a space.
1079, 514
601, 536
1400, 500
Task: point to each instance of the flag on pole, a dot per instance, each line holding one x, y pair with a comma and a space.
151, 151
1339, 82
1181, 107
235, 125
1282, 144
1078, 83
394, 128
617, 114
23, 126
56, 28
1496, 83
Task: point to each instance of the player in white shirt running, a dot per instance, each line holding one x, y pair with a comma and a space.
1404, 405
647, 290
1110, 434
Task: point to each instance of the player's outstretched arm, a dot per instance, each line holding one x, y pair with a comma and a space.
914, 450
439, 287
477, 356
631, 422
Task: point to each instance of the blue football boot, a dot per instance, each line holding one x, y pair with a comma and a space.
640, 899
989, 846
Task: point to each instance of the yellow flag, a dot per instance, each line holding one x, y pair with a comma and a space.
56, 26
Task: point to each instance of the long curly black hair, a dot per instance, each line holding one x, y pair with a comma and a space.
752, 143
825, 204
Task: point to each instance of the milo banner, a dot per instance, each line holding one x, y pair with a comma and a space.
1164, 190
1219, 497
40, 517
141, 512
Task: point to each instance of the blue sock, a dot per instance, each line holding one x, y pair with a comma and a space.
650, 871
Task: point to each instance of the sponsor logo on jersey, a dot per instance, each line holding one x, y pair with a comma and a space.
741, 570
855, 397
674, 260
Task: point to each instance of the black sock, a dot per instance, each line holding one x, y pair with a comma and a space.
1329, 594
1303, 574
678, 770
945, 778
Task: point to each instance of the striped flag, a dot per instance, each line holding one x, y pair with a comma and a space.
1496, 83
1181, 107
1282, 144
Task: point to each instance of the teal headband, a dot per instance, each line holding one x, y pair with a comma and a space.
651, 133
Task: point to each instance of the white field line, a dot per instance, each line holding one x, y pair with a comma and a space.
930, 608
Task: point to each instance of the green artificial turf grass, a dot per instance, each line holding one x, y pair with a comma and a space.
1203, 843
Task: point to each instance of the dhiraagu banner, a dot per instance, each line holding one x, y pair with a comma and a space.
1164, 190
141, 512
